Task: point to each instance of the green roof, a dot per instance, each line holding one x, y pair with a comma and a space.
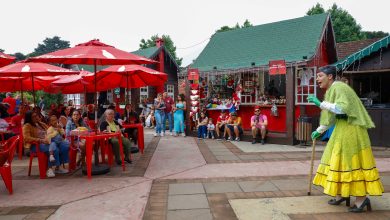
148, 52
289, 40
367, 51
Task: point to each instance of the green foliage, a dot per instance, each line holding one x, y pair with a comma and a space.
375, 34
1, 50
344, 25
49, 98
317, 9
237, 26
50, 45
168, 43
19, 56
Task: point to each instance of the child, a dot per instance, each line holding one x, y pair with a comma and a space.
54, 135
210, 129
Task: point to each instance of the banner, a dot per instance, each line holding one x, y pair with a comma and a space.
193, 74
277, 67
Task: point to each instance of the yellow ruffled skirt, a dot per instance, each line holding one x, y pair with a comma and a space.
347, 166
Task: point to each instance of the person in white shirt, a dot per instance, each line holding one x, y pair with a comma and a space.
210, 129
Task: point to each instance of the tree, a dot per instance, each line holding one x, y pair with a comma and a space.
344, 25
1, 50
49, 98
168, 43
375, 34
50, 45
237, 26
317, 9
19, 56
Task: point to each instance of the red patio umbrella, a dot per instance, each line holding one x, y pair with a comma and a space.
6, 59
94, 53
73, 83
14, 84
23, 69
129, 76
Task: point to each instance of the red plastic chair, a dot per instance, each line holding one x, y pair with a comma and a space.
5, 165
42, 161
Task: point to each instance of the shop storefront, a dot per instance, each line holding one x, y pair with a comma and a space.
262, 66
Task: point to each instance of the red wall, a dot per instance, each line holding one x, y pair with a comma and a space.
275, 124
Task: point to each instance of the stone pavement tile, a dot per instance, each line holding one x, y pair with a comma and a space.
250, 157
232, 157
257, 186
174, 155
296, 155
6, 210
192, 214
185, 188
377, 215
272, 156
223, 153
222, 187
291, 184
12, 217
198, 201
124, 203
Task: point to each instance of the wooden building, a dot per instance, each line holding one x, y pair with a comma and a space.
240, 59
367, 70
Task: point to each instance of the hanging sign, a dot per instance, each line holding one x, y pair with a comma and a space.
193, 74
277, 67
117, 91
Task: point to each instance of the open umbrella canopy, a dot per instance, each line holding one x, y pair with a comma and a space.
72, 84
23, 69
6, 59
92, 52
14, 84
129, 76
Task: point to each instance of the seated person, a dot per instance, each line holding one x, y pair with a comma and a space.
221, 123
110, 125
150, 121
210, 129
259, 124
57, 144
202, 125
234, 126
90, 113
131, 117
34, 131
72, 124
144, 113
4, 127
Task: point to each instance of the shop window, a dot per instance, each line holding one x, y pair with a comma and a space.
305, 85
248, 85
171, 91
75, 98
144, 93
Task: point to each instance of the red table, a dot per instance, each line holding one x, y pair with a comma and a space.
90, 138
141, 140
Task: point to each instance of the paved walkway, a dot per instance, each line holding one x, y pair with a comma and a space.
186, 178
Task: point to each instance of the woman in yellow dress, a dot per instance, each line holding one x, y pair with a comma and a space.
347, 165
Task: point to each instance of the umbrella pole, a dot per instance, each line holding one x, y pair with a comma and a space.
127, 89
32, 81
96, 101
21, 91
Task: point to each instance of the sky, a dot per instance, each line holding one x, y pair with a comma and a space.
123, 23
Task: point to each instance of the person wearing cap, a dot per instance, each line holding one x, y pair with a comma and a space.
12, 104
234, 126
259, 124
347, 165
221, 123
